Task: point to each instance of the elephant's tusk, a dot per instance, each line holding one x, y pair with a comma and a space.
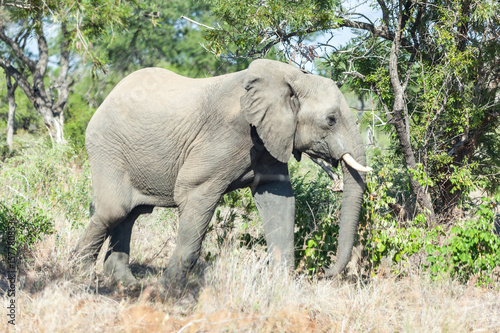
355, 165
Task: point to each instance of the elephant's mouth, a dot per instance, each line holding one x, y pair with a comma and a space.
350, 161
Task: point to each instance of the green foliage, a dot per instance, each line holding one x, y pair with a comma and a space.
448, 116
420, 175
22, 225
490, 160
472, 249
54, 177
391, 233
87, 21
395, 242
316, 216
78, 114
235, 206
381, 235
157, 36
448, 62
239, 205
251, 27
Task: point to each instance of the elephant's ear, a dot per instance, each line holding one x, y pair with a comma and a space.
271, 105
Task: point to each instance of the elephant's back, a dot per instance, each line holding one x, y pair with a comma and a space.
144, 100
151, 78
149, 89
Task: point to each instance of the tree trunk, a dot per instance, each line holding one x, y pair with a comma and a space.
54, 122
11, 89
398, 119
422, 196
51, 109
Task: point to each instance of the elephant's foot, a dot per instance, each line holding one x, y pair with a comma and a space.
87, 249
173, 283
83, 259
116, 267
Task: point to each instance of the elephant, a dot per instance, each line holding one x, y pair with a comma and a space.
161, 139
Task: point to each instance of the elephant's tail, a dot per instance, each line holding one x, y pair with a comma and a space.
92, 208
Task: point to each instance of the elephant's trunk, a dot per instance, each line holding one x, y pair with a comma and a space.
354, 185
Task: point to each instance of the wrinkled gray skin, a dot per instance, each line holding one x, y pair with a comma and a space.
160, 139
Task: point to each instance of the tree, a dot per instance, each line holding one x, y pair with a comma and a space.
11, 90
155, 35
78, 23
433, 65
442, 68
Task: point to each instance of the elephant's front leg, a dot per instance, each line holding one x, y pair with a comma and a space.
196, 210
276, 205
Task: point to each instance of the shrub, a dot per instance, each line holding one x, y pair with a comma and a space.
472, 248
316, 216
52, 176
21, 227
393, 232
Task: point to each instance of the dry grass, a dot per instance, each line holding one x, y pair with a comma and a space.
236, 291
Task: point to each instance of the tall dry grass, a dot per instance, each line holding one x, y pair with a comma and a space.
232, 289
236, 291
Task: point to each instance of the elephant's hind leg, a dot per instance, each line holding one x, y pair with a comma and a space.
116, 263
102, 222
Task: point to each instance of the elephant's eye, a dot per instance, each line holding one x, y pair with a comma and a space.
331, 120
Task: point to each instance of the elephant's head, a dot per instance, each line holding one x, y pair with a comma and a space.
295, 111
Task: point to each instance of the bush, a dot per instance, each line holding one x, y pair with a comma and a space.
21, 227
466, 249
53, 177
472, 248
239, 205
316, 216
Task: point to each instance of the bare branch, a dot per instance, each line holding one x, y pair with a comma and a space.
18, 50
63, 83
355, 74
377, 31
20, 79
197, 23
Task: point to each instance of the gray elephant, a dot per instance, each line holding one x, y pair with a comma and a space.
160, 139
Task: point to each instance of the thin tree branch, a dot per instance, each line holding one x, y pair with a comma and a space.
20, 79
385, 12
63, 83
377, 31
197, 23
18, 50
